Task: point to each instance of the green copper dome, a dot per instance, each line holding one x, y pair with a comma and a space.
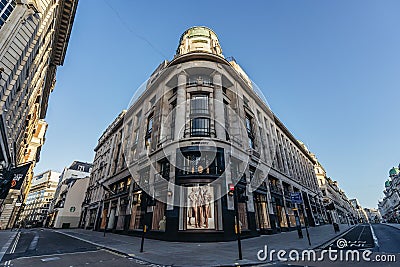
387, 183
394, 171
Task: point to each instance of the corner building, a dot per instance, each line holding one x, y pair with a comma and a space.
198, 125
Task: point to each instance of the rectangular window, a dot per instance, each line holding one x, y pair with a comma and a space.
226, 117
250, 133
173, 116
252, 171
6, 7
199, 104
201, 163
200, 127
149, 131
164, 169
201, 213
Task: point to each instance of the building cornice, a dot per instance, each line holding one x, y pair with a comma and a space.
65, 19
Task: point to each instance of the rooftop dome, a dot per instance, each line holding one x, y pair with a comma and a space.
394, 171
199, 39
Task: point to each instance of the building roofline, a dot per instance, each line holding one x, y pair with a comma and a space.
64, 22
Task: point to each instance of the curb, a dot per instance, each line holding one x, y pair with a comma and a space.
145, 262
398, 228
141, 261
320, 246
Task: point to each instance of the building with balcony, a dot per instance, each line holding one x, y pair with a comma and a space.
373, 215
361, 214
34, 37
38, 200
389, 206
338, 206
197, 126
65, 207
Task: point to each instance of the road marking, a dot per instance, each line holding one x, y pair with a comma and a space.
34, 242
14, 246
362, 231
374, 237
6, 246
58, 254
50, 259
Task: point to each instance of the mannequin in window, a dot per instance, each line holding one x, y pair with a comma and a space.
162, 224
193, 206
206, 209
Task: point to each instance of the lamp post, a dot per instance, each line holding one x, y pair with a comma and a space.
233, 191
104, 196
145, 199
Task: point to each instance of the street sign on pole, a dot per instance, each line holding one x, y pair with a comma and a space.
295, 198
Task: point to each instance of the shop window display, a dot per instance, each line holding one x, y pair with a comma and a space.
200, 212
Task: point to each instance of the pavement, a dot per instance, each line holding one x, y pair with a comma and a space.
6, 238
43, 247
395, 225
204, 254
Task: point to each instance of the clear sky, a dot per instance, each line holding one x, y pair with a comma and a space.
329, 69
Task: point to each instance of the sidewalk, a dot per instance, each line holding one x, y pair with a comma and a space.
204, 254
6, 238
395, 225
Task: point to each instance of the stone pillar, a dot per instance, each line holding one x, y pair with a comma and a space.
219, 112
180, 111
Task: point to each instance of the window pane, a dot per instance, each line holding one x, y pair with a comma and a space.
199, 104
200, 127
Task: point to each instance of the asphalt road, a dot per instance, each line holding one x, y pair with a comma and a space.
360, 237
379, 242
43, 247
388, 238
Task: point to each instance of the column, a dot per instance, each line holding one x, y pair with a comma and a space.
219, 112
180, 110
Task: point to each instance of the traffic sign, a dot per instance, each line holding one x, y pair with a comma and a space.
295, 198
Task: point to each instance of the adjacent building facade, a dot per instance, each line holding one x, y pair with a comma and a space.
34, 36
198, 125
38, 200
389, 206
338, 207
65, 208
362, 215
373, 215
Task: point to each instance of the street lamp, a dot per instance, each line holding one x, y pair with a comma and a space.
233, 192
104, 196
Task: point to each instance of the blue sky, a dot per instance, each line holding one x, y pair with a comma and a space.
329, 69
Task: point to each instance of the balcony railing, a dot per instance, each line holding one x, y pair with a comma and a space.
200, 83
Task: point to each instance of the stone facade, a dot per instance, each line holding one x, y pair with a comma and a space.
69, 194
341, 210
389, 206
38, 200
198, 125
33, 42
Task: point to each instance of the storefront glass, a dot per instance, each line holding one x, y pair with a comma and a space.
136, 214
261, 209
200, 213
158, 216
